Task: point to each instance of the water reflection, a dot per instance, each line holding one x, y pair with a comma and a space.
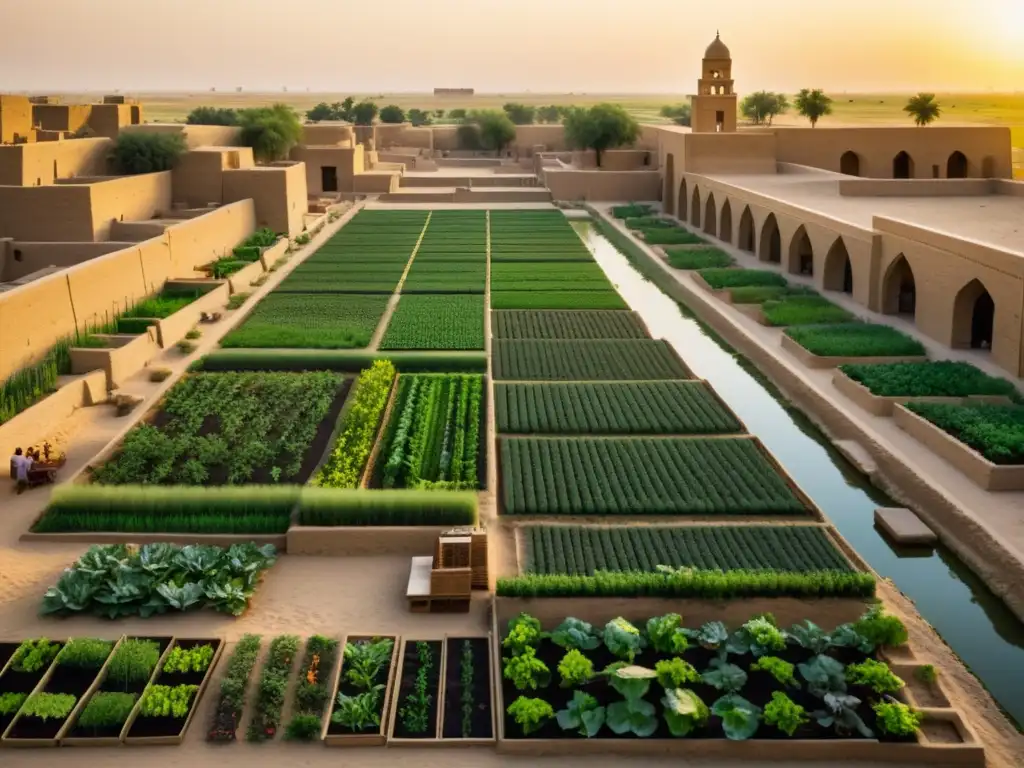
972, 621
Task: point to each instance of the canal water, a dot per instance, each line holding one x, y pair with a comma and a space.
973, 622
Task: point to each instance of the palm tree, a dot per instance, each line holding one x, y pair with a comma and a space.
923, 108
813, 104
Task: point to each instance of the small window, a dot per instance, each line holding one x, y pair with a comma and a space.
17, 254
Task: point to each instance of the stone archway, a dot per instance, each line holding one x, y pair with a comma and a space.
745, 237
903, 166
838, 274
711, 216
668, 203
770, 247
681, 213
899, 289
695, 207
956, 166
974, 313
801, 254
725, 228
849, 164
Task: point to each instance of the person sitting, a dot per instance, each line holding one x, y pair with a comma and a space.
20, 465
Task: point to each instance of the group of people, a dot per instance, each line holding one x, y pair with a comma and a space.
23, 461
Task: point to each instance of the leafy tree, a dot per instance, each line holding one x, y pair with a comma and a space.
438, 113
392, 114
344, 109
364, 112
601, 127
520, 114
679, 114
321, 111
496, 129
469, 136
813, 104
549, 114
137, 152
212, 116
457, 114
418, 117
923, 108
270, 131
763, 106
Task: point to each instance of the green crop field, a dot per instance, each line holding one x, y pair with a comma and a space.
639, 359
445, 277
607, 408
548, 299
600, 324
577, 550
547, 276
436, 322
433, 439
326, 321
641, 476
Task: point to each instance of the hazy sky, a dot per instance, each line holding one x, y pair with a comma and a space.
554, 46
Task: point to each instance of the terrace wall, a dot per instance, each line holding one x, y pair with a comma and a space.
43, 162
198, 174
131, 198
602, 185
279, 193
18, 258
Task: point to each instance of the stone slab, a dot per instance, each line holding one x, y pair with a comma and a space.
857, 455
903, 526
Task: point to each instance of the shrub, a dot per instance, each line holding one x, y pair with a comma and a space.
926, 673
341, 507
85, 653
691, 583
107, 709
303, 727
941, 378
392, 114
855, 340
630, 211
173, 509
698, 258
270, 131
212, 116
226, 267
468, 137
137, 152
735, 278
879, 629
494, 128
803, 310
159, 374
195, 333
186, 347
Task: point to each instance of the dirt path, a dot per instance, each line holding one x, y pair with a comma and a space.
389, 310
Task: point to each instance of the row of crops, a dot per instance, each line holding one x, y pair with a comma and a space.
597, 420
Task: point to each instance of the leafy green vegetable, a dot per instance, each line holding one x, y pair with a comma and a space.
725, 676
181, 660
11, 702
34, 655
582, 715
133, 661
623, 639
784, 713
759, 637
874, 674
526, 671
573, 633
634, 715
107, 709
85, 653
879, 629
366, 659
530, 714
710, 636
360, 712
666, 635
897, 718
840, 712
778, 668
575, 669
674, 673
165, 701
684, 711
740, 718
823, 675
49, 706
523, 632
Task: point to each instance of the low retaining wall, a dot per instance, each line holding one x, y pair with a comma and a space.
171, 330
879, 405
36, 423
270, 256
812, 360
980, 471
359, 541
118, 363
241, 281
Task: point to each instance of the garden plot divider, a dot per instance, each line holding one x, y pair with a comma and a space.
408, 664
148, 734
376, 738
69, 737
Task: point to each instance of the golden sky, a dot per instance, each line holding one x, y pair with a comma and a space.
552, 46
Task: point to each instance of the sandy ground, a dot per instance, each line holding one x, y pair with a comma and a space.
332, 596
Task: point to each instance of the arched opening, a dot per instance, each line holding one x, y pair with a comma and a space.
801, 254
711, 216
956, 166
725, 229
695, 208
974, 314
838, 269
902, 166
771, 241
899, 291
745, 237
849, 164
668, 203
681, 213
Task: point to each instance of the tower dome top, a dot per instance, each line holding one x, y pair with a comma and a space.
717, 49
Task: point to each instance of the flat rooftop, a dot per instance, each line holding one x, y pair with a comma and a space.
994, 220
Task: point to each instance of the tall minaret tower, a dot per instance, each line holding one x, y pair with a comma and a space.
714, 105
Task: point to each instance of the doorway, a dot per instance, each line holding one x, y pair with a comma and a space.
328, 178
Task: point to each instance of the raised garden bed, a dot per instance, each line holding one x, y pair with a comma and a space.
467, 709
312, 695
270, 690
883, 404
361, 692
106, 712
233, 688
28, 663
979, 469
416, 705
697, 257
812, 360
168, 704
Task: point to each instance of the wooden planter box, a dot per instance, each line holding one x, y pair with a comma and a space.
879, 405
177, 738
810, 360
379, 738
980, 471
29, 684
67, 737
396, 697
453, 650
